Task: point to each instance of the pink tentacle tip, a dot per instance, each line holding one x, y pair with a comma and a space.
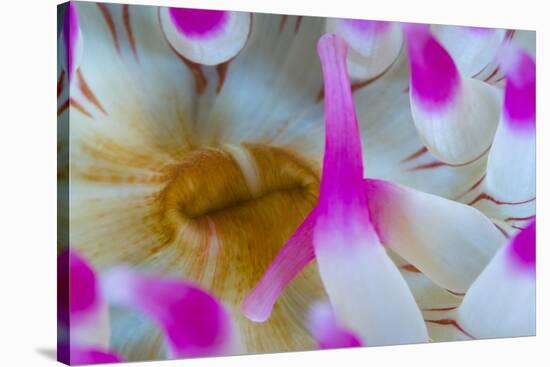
516, 63
327, 331
522, 248
435, 79
84, 290
520, 93
80, 295
254, 309
194, 322
198, 23
330, 45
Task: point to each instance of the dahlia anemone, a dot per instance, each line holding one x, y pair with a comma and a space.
213, 148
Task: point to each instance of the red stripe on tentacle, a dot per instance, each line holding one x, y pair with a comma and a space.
298, 24
222, 69
110, 24
359, 85
198, 74
79, 107
498, 80
458, 294
519, 219
481, 71
497, 69
410, 267
63, 107
128, 27
506, 234
429, 165
60, 83
87, 92
282, 23
518, 227
320, 95
436, 164
453, 323
472, 188
484, 196
440, 309
415, 155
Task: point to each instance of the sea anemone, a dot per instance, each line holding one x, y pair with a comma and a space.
362, 187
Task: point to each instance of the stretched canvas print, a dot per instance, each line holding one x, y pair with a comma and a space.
235, 183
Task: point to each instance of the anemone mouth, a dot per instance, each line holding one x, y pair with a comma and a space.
213, 184
214, 191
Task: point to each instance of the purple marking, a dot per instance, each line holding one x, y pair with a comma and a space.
199, 313
366, 26
82, 355
198, 23
70, 36
83, 285
520, 93
194, 322
63, 291
327, 331
522, 248
434, 77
